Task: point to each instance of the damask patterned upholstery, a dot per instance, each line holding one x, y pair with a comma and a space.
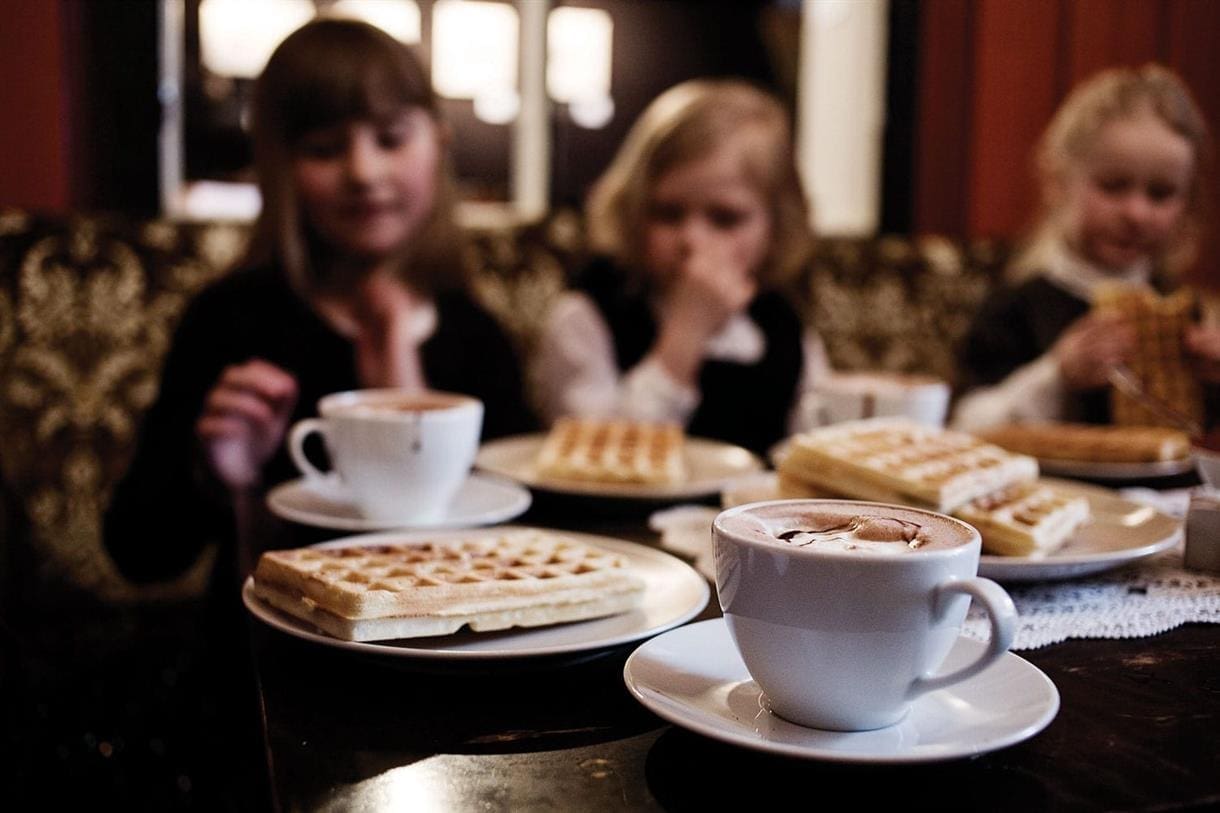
88, 306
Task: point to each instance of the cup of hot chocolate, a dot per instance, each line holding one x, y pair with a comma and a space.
401, 455
850, 396
843, 611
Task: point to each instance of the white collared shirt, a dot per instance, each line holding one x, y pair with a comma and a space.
575, 370
1035, 391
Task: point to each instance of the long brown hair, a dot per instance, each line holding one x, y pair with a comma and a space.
327, 72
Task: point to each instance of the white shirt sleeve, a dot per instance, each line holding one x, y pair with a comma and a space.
575, 372
1033, 392
815, 370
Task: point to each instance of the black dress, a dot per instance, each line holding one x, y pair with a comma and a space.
168, 507
1021, 324
745, 404
1018, 326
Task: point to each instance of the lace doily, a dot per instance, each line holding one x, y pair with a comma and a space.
1145, 599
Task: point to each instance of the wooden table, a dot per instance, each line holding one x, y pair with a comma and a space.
1138, 729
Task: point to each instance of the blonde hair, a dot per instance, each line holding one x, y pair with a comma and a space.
688, 122
327, 72
1115, 94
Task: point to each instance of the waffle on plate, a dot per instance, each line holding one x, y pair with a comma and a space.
613, 451
898, 460
1030, 519
1160, 364
489, 580
1099, 444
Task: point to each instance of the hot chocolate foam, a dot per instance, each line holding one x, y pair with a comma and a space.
849, 527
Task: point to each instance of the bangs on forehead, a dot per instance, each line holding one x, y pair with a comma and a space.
756, 149
329, 95
737, 119
331, 72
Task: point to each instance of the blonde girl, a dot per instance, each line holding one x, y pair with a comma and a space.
699, 222
1121, 168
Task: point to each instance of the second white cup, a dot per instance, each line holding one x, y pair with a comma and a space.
403, 456
851, 396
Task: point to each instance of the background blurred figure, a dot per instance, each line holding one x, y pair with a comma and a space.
355, 280
1121, 169
699, 220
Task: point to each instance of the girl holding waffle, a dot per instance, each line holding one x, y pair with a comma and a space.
355, 280
698, 222
1121, 169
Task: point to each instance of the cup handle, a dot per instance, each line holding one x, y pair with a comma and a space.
296, 446
814, 412
1003, 616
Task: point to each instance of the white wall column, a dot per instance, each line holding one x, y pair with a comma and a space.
841, 112
530, 162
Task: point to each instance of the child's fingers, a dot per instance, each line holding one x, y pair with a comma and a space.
261, 378
213, 427
238, 403
1204, 342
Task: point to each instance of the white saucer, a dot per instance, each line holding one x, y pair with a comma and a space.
693, 677
711, 464
482, 500
1095, 470
673, 594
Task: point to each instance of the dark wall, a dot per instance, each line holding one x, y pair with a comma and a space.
115, 108
657, 43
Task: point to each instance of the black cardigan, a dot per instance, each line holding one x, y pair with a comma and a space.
745, 404
168, 507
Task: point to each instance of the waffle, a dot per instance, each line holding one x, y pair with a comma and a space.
1099, 444
898, 460
488, 581
1159, 364
1030, 519
612, 451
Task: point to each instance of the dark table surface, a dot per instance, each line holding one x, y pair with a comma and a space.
1138, 729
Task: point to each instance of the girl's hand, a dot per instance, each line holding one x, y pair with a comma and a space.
389, 330
1090, 347
244, 419
1203, 343
708, 290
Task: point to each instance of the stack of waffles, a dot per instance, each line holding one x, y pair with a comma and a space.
613, 451
1095, 444
899, 461
489, 580
1160, 364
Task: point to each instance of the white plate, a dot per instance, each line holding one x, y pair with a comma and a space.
693, 677
1120, 532
482, 500
711, 464
673, 594
1090, 470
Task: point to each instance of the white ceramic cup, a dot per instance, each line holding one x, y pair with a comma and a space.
847, 639
852, 396
402, 456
